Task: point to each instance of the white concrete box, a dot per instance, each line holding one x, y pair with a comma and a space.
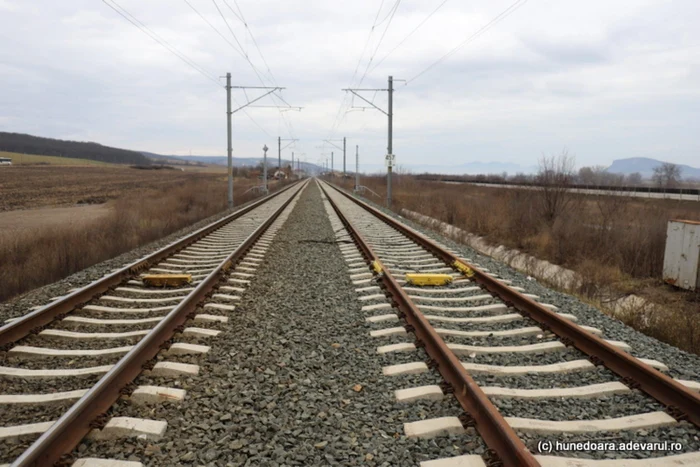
682, 257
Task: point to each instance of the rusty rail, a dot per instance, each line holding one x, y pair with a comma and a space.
16, 330
69, 430
681, 403
480, 412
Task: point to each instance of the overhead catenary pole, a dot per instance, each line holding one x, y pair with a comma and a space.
292, 163
332, 163
344, 156
230, 145
279, 149
357, 167
265, 168
390, 156
229, 112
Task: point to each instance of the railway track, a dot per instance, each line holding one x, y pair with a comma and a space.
476, 372
65, 364
508, 359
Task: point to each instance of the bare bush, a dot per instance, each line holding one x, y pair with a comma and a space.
667, 175
554, 196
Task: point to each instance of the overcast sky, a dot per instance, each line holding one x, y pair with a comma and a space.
606, 79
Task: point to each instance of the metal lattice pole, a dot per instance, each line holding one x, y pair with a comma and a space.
265, 168
230, 148
390, 141
357, 167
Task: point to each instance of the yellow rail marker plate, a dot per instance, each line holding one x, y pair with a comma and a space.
162, 280
466, 270
428, 279
376, 267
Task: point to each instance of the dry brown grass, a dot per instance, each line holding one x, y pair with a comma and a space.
27, 187
616, 243
34, 258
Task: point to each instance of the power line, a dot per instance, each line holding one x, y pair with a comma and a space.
273, 81
162, 42
381, 39
245, 55
386, 17
338, 119
172, 49
240, 52
502, 15
250, 33
214, 28
409, 35
392, 13
229, 28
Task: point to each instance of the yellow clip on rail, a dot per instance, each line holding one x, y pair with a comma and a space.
466, 270
428, 279
376, 267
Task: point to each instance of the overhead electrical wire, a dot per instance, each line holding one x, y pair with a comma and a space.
381, 39
229, 28
242, 51
172, 49
241, 18
339, 117
502, 15
214, 28
162, 42
425, 20
390, 16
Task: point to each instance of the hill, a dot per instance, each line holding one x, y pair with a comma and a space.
28, 144
32, 159
645, 166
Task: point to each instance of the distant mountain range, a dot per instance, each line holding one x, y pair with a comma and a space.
645, 166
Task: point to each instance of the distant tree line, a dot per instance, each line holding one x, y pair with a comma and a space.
28, 144
666, 175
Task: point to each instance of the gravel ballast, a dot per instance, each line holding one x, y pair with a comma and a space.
280, 385
553, 408
295, 379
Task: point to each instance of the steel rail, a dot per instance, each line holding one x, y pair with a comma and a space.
62, 437
682, 403
480, 411
21, 327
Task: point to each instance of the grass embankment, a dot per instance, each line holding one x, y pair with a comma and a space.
615, 243
34, 258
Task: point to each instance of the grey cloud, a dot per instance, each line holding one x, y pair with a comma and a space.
552, 75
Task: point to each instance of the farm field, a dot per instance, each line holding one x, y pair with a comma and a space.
25, 187
57, 220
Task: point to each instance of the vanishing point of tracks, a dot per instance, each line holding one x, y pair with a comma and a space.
500, 353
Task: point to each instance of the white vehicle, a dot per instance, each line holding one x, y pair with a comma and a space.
5, 161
